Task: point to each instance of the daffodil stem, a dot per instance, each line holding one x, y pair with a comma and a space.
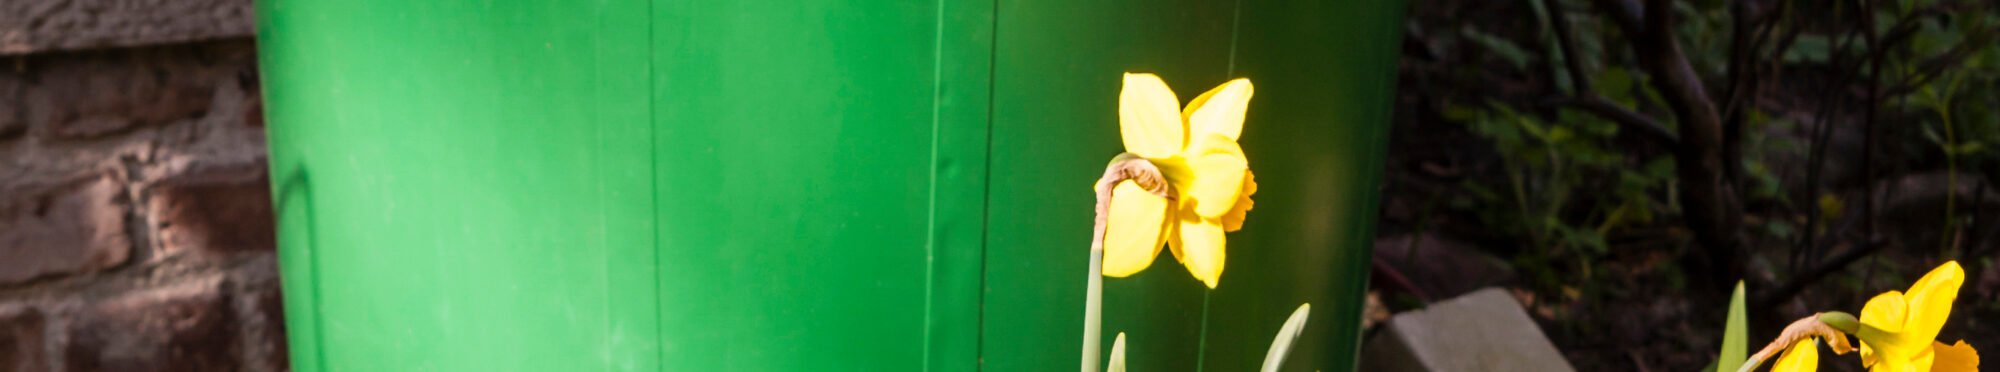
1093, 310
1201, 343
1093, 298
1751, 364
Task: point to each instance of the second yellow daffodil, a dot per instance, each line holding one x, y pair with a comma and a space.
1195, 149
1898, 330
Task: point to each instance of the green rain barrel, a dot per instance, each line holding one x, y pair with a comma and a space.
807, 185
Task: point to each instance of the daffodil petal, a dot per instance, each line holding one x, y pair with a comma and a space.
1176, 171
1879, 367
1885, 312
1132, 235
1174, 235
1867, 355
1922, 362
1201, 243
1220, 110
1218, 166
1148, 117
1957, 357
1803, 356
1929, 302
1217, 193
1233, 220
1881, 319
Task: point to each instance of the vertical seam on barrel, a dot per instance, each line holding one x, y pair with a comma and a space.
986, 183
598, 154
653, 187
312, 257
931, 219
953, 268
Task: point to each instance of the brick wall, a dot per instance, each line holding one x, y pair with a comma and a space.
135, 217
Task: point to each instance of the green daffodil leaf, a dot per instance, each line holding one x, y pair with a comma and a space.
1735, 337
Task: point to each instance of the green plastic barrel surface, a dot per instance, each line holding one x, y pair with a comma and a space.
815, 185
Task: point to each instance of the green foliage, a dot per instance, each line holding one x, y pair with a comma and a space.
1567, 184
1809, 49
1552, 165
1952, 108
1501, 47
1761, 148
1703, 36
1735, 334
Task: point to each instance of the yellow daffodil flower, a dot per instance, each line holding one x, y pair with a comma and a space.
1803, 356
1195, 150
1898, 330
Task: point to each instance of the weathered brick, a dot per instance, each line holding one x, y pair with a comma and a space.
174, 329
11, 124
72, 227
253, 113
44, 25
21, 340
216, 210
270, 305
95, 94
